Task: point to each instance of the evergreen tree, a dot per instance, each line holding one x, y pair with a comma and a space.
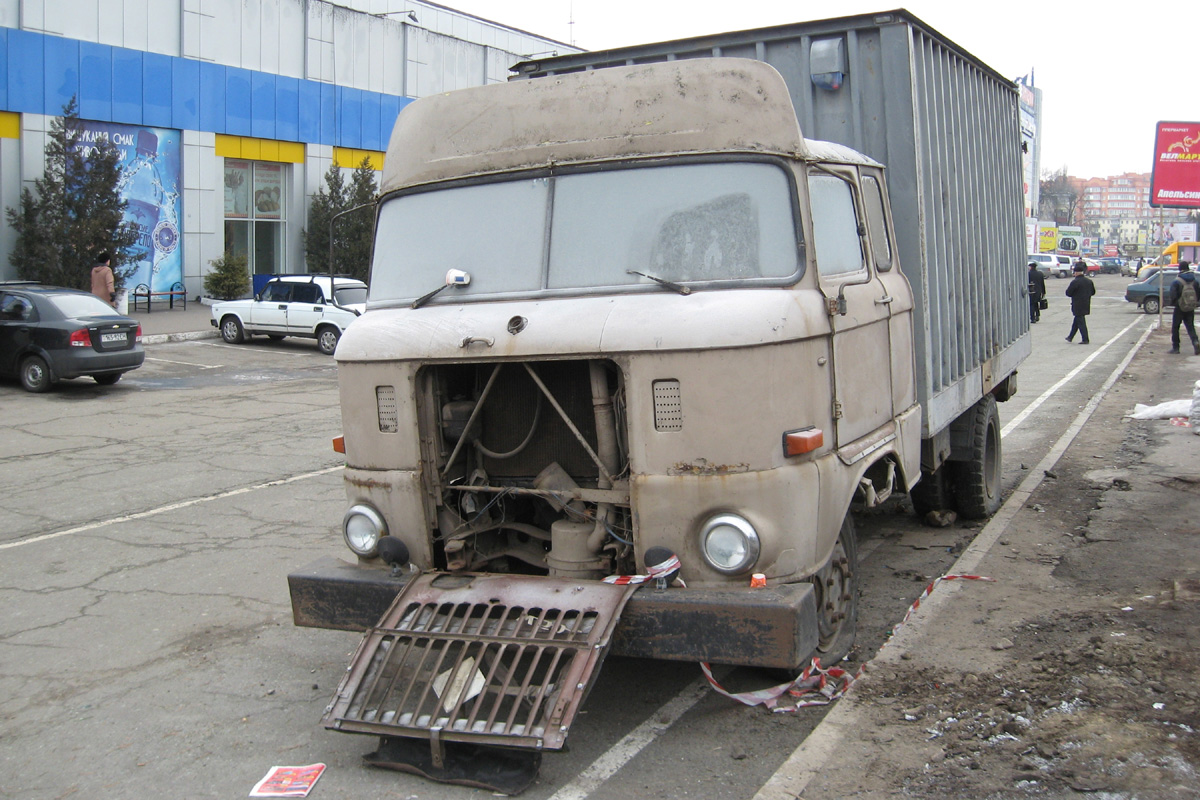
75, 211
353, 229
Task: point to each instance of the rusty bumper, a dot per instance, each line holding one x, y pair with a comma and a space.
769, 627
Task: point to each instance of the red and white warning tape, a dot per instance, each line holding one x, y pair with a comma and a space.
653, 571
815, 685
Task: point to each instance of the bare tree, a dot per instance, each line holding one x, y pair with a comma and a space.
1060, 198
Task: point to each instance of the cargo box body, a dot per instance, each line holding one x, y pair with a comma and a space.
946, 127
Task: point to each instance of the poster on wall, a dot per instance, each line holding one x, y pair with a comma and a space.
150, 186
237, 189
1175, 179
1070, 240
268, 191
1047, 237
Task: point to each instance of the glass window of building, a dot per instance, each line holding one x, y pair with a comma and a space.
255, 213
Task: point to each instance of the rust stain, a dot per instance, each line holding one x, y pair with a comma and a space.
368, 483
702, 467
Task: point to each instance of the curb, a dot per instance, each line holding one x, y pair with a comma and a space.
163, 338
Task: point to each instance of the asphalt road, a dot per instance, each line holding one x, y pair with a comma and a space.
146, 644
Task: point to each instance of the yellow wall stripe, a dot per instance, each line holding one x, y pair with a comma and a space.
351, 158
259, 149
10, 125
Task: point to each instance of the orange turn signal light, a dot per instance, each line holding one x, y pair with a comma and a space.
805, 440
339, 444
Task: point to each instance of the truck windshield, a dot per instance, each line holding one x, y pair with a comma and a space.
704, 224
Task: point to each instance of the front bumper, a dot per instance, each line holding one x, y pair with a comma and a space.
769, 627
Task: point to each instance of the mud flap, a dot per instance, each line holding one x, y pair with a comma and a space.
492, 660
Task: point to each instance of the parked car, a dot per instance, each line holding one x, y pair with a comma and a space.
1110, 265
312, 306
50, 333
1045, 261
1145, 291
1062, 267
1093, 266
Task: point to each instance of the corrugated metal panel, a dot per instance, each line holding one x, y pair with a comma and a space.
946, 126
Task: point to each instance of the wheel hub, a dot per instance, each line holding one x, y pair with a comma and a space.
832, 596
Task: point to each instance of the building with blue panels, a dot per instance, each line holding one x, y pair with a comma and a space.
228, 113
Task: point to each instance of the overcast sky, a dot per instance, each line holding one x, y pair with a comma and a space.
1108, 71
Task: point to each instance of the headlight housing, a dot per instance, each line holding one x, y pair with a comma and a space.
729, 544
362, 527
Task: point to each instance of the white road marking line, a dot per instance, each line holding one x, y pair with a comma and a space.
186, 363
1046, 395
91, 526
251, 348
633, 742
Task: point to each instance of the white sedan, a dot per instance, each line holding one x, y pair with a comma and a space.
312, 306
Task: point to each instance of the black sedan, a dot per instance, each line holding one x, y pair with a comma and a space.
48, 334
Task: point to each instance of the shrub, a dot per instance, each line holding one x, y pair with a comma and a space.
229, 278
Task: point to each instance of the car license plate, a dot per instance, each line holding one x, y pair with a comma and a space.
112, 337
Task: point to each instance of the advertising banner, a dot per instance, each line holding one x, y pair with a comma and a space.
1031, 236
150, 185
1047, 237
1070, 240
1175, 179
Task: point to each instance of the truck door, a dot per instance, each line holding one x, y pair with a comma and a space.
860, 307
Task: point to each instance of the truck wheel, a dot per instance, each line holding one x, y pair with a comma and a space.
931, 494
837, 598
977, 480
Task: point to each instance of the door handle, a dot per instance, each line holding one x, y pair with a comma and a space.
886, 300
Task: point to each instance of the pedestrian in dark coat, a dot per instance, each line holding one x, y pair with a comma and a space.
1080, 291
1181, 314
1037, 290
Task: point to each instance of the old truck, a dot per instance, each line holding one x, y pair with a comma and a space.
664, 316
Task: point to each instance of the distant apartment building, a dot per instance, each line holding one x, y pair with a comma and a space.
1117, 210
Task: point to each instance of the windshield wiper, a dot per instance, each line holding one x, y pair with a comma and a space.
661, 282
425, 298
454, 277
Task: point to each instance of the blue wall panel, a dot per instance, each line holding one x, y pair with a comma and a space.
4, 67
310, 111
126, 86
95, 81
212, 97
262, 105
328, 114
287, 109
237, 101
185, 94
40, 73
349, 129
156, 90
62, 72
370, 123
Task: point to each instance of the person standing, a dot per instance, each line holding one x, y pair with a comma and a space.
1080, 291
102, 280
1184, 302
1037, 290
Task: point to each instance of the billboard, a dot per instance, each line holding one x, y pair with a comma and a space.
150, 186
1047, 237
1070, 240
1175, 179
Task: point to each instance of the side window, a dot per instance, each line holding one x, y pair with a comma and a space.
881, 248
277, 292
838, 246
306, 293
15, 308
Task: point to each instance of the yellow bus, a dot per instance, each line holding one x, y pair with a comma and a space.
1172, 253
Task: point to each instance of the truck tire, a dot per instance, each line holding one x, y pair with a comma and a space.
977, 479
931, 494
837, 586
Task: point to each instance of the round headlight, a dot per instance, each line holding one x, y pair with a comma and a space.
363, 526
729, 544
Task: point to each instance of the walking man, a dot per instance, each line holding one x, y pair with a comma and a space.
1184, 291
1080, 291
1037, 290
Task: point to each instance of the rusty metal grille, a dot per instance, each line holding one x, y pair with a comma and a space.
489, 659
